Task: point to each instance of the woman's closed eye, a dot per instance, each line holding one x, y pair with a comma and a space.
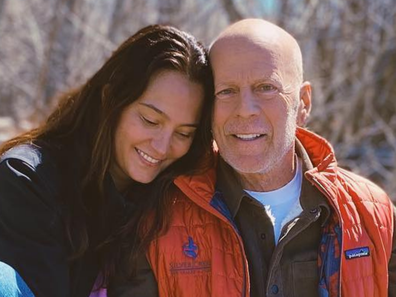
185, 135
148, 122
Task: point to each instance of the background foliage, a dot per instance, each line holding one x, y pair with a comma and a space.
349, 47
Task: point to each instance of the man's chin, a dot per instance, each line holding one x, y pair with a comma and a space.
247, 165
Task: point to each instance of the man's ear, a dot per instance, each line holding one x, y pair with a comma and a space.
304, 108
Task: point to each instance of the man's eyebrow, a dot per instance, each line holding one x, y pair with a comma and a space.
159, 111
274, 77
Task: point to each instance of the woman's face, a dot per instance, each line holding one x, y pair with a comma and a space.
157, 129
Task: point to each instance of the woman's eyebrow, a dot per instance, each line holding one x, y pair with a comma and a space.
159, 111
154, 108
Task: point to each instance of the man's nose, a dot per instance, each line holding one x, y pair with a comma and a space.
161, 143
248, 105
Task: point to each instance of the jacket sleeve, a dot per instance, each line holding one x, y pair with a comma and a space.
11, 283
31, 233
392, 262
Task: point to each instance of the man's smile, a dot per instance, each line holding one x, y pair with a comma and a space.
248, 136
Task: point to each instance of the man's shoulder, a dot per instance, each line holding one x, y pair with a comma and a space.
363, 186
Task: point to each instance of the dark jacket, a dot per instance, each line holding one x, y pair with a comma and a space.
34, 186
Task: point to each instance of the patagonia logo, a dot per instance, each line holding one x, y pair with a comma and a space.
357, 253
190, 249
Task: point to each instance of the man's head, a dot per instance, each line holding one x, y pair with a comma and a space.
260, 99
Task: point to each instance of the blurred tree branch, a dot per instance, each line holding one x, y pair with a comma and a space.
349, 50
2, 3
231, 10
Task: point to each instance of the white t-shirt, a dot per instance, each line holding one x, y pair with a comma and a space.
282, 205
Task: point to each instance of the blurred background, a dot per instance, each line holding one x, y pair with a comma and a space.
349, 47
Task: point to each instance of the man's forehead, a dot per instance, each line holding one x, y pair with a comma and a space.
254, 34
252, 30
240, 45
245, 47
272, 49
239, 39
241, 52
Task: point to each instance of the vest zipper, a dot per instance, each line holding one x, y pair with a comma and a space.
244, 262
224, 218
242, 250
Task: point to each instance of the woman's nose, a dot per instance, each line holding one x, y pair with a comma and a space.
161, 143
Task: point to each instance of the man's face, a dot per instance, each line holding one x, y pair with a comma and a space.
256, 106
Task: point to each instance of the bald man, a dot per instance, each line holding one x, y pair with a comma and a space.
275, 216
301, 217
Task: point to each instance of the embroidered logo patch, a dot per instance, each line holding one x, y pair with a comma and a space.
357, 253
190, 249
190, 267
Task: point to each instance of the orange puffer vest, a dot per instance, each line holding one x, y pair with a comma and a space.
202, 254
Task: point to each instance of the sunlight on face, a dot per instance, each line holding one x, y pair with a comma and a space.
157, 129
254, 120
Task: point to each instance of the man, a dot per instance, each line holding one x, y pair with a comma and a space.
277, 217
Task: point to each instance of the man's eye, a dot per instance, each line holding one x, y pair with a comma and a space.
148, 122
266, 88
225, 92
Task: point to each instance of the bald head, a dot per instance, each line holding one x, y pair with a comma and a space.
255, 28
279, 44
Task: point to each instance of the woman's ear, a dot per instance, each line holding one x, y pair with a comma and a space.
304, 108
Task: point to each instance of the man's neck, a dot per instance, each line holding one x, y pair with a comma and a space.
280, 174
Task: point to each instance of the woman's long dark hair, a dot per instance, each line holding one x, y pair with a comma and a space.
82, 128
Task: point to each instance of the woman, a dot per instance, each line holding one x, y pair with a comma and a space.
86, 191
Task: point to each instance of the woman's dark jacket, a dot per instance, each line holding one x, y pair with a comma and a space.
35, 184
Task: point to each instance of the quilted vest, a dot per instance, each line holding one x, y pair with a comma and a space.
202, 254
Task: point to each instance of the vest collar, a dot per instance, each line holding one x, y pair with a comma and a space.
229, 184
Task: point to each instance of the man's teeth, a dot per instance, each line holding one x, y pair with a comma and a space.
247, 136
148, 158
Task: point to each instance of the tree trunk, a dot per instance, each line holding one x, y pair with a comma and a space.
168, 11
60, 41
232, 12
2, 8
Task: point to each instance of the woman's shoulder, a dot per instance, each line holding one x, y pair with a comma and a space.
30, 154
33, 240
30, 167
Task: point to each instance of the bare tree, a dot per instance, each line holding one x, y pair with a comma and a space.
349, 50
2, 3
59, 46
232, 11
168, 11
